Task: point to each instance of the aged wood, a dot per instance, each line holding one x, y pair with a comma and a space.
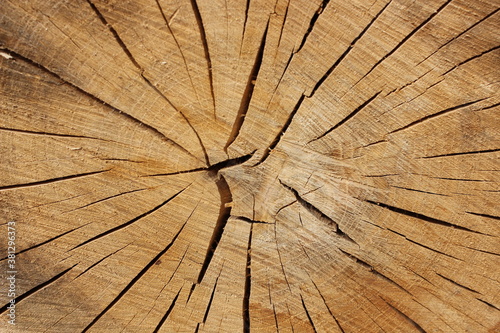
255, 166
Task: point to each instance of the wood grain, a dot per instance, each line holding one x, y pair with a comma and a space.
255, 166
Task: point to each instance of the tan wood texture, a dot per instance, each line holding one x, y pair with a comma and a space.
251, 165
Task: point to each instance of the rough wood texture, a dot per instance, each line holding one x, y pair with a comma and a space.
255, 166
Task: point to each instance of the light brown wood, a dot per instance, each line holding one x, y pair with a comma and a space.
255, 166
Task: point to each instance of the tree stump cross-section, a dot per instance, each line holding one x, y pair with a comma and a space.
249, 165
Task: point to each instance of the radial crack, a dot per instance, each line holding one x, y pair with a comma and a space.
424, 246
99, 261
346, 52
141, 70
307, 314
115, 34
126, 224
411, 321
203, 37
413, 32
463, 153
460, 34
458, 284
52, 180
107, 198
251, 221
48, 240
134, 280
318, 214
209, 305
327, 307
224, 213
169, 310
154, 131
422, 217
373, 270
472, 58
179, 47
348, 117
485, 215
248, 284
314, 18
278, 137
248, 93
440, 113
52, 134
32, 291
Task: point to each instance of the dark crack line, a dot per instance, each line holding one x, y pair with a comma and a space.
406, 38
488, 304
424, 246
472, 58
199, 22
437, 114
52, 180
464, 153
48, 240
213, 169
348, 117
407, 84
458, 284
126, 224
141, 70
247, 7
248, 93
251, 221
282, 26
121, 113
318, 214
134, 280
420, 191
489, 107
485, 215
346, 52
408, 319
279, 257
327, 307
248, 285
115, 34
423, 217
371, 269
52, 134
32, 291
460, 34
278, 137
224, 213
180, 261
104, 199
169, 310
457, 179
205, 154
307, 314
314, 18
180, 50
99, 261
176, 172
276, 318
482, 251
209, 305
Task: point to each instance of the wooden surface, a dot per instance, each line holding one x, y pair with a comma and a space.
255, 166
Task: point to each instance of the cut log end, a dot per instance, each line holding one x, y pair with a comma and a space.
255, 166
